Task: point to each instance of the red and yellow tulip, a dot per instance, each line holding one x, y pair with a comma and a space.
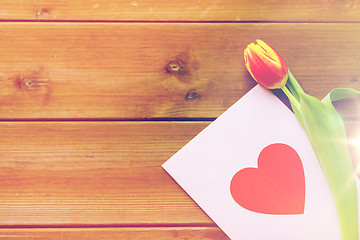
265, 65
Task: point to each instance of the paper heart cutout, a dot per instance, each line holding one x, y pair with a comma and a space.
277, 186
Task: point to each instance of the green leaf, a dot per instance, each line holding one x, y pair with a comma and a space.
339, 94
326, 131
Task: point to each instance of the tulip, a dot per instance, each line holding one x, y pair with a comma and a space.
268, 68
265, 65
323, 125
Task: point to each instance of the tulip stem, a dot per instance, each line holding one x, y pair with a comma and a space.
291, 98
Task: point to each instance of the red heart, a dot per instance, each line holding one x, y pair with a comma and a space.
277, 186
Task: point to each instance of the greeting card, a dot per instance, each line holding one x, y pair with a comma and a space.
255, 173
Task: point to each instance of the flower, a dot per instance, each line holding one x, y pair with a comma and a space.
265, 65
268, 68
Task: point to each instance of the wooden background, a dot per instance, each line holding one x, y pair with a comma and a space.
96, 95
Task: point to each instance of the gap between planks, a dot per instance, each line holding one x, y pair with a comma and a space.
171, 22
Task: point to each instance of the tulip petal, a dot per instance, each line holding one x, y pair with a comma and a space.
264, 72
265, 65
271, 53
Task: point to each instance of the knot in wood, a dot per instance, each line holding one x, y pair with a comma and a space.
28, 84
192, 95
175, 66
42, 11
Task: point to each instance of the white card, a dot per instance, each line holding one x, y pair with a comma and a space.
211, 164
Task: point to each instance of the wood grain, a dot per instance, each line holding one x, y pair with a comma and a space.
201, 233
81, 173
186, 10
104, 174
159, 70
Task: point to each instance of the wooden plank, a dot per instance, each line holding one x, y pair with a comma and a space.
87, 173
203, 233
186, 10
80, 173
136, 70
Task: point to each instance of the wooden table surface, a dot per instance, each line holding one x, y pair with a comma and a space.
96, 95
